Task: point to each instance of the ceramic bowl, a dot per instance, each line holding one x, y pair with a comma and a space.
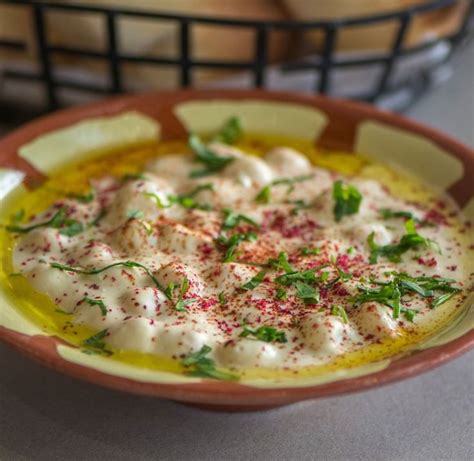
334, 124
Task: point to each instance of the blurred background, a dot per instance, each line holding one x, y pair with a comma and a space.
388, 52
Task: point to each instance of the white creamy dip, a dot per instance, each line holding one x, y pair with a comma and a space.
288, 294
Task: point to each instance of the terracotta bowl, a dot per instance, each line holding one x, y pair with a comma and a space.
332, 124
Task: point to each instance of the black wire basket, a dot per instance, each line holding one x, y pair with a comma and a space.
320, 69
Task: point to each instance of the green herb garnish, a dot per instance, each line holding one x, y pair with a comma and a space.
231, 132
202, 366
71, 228
307, 293
388, 294
135, 214
393, 252
55, 221
347, 199
281, 263
213, 162
128, 264
186, 201
181, 303
96, 344
191, 203
307, 276
254, 282
281, 294
442, 299
97, 302
391, 292
264, 195
160, 203
409, 314
339, 311
267, 334
207, 186
232, 242
83, 198
387, 213
300, 205
310, 251
232, 219
59, 220
221, 298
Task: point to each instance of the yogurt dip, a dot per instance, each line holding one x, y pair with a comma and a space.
225, 261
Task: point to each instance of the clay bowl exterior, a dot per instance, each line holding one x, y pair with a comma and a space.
343, 119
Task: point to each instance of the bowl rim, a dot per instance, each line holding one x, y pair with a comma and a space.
44, 348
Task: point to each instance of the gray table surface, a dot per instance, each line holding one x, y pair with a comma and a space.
47, 416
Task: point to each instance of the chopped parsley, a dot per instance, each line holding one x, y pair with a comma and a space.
341, 274
66, 226
186, 201
387, 213
199, 188
201, 366
135, 214
307, 276
267, 334
264, 196
71, 228
307, 293
221, 298
339, 311
181, 303
254, 282
189, 202
388, 294
393, 252
160, 202
95, 344
281, 294
232, 219
305, 281
128, 264
281, 263
231, 243
391, 292
310, 251
97, 302
213, 163
300, 205
442, 299
347, 199
230, 133
83, 198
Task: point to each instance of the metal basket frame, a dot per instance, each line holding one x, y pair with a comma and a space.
258, 66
